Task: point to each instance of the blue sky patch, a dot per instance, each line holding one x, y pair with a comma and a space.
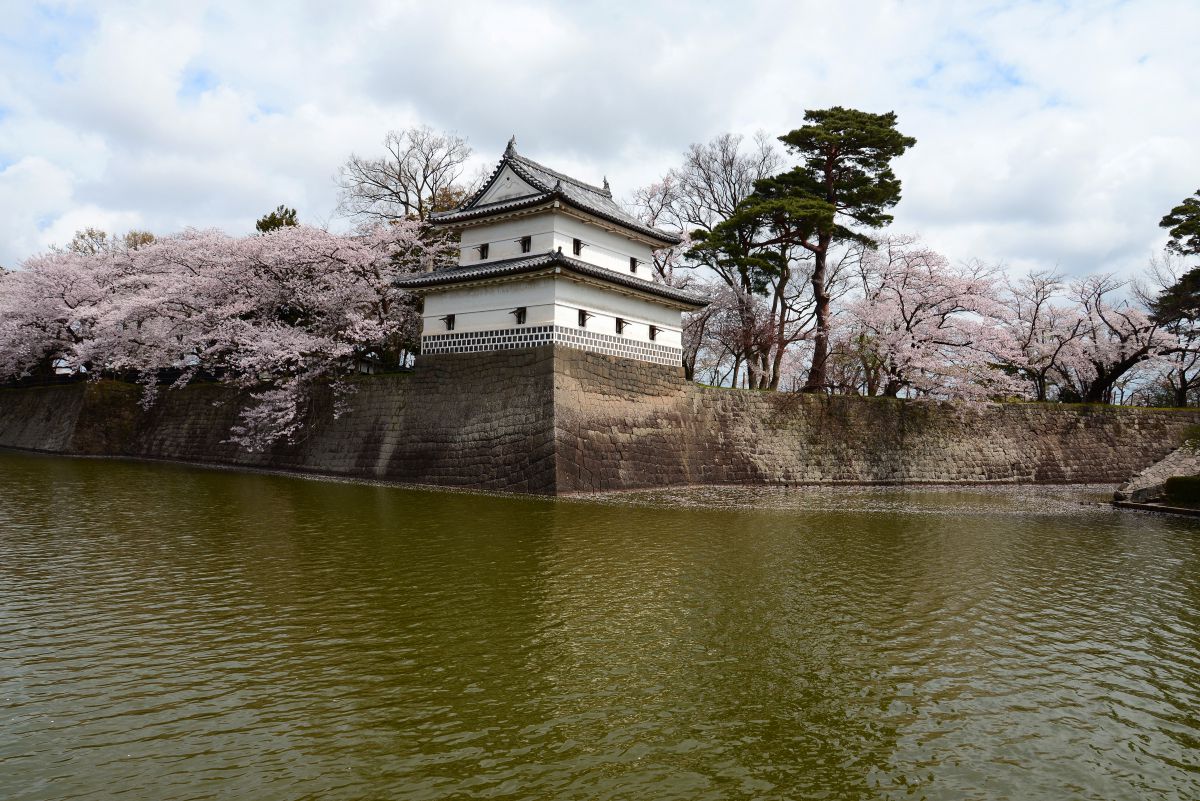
46, 33
195, 82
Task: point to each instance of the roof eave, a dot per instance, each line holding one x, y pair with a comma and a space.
661, 239
556, 263
466, 218
674, 302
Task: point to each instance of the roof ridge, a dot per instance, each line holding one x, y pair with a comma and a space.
593, 200
562, 176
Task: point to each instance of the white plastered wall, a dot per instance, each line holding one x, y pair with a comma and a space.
504, 238
549, 300
551, 231
601, 247
489, 307
507, 185
607, 305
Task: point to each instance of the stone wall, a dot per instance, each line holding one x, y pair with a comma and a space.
557, 420
481, 421
1151, 484
620, 425
40, 419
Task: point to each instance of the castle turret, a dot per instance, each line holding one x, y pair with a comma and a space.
547, 259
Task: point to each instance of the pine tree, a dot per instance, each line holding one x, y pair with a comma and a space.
280, 218
845, 179
1184, 224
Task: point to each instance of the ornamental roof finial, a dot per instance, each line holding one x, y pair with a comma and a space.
511, 150
606, 187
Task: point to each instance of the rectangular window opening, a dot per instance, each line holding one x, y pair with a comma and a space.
583, 318
483, 250
519, 313
449, 321
577, 247
653, 333
526, 244
620, 325
632, 264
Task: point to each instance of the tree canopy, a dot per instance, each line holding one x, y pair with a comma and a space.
844, 183
273, 315
1180, 301
92, 241
1183, 223
282, 217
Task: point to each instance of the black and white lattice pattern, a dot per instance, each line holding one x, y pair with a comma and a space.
478, 341
535, 335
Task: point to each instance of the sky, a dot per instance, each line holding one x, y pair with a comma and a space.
1049, 134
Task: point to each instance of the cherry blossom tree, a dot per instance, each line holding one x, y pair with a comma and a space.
49, 309
718, 337
923, 326
1117, 336
1039, 331
273, 314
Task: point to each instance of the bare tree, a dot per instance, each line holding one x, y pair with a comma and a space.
89, 242
703, 191
92, 241
717, 176
697, 196
419, 174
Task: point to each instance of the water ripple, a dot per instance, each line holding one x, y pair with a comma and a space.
173, 633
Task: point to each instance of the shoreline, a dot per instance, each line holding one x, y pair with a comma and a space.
316, 475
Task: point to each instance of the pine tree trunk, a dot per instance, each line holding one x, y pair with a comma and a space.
816, 372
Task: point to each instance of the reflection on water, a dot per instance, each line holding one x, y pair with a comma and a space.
176, 633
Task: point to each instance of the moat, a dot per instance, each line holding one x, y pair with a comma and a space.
169, 632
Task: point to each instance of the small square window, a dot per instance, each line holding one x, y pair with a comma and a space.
653, 333
632, 264
577, 247
483, 250
526, 244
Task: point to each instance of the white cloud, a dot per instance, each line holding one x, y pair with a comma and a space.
1048, 133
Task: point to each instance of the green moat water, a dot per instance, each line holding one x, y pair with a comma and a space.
178, 633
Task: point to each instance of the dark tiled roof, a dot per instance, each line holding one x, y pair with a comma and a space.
550, 185
492, 269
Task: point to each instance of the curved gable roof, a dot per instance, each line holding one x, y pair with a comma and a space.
549, 185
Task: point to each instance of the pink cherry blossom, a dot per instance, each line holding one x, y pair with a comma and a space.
272, 314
